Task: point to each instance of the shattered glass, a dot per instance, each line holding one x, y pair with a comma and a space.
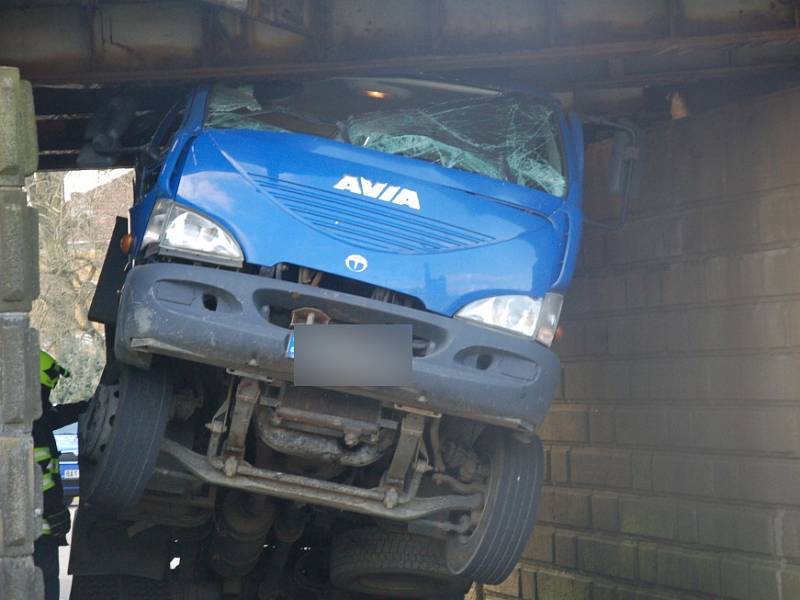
502, 138
513, 139
236, 108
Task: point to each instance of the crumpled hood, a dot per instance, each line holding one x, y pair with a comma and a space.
315, 202
331, 158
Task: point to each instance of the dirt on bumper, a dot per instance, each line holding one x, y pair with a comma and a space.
221, 318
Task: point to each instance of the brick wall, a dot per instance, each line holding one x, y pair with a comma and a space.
674, 462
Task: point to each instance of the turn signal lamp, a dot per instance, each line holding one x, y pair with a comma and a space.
126, 243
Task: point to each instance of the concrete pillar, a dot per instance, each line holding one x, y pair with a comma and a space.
19, 395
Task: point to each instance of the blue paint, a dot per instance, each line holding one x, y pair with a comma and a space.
473, 236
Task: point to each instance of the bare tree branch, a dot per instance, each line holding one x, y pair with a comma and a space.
73, 236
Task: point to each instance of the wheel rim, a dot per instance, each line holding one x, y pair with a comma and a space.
480, 529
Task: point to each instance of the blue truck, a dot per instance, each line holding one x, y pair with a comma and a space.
406, 244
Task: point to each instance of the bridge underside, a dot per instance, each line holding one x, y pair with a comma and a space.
604, 56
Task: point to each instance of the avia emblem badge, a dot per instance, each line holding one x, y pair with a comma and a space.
379, 191
356, 263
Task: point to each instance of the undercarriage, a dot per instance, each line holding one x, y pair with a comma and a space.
214, 475
252, 480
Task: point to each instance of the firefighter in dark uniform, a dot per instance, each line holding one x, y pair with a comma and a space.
56, 520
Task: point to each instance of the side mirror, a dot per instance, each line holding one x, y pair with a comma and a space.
625, 168
626, 164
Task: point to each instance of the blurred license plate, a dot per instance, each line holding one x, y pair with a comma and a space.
351, 355
71, 473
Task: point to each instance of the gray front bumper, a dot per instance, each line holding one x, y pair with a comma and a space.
217, 317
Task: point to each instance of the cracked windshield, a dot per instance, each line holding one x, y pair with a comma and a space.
510, 138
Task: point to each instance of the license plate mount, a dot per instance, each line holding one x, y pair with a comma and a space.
344, 355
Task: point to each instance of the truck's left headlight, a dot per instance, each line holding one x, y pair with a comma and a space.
180, 230
536, 318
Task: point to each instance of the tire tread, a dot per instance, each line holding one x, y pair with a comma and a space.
138, 432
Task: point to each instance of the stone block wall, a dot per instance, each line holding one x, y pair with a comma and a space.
20, 482
673, 446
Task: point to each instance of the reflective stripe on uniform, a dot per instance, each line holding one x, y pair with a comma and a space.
46, 527
50, 370
48, 482
52, 466
41, 454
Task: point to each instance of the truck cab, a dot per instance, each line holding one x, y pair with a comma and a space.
335, 316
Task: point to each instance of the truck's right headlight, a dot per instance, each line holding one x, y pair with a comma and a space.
182, 231
532, 317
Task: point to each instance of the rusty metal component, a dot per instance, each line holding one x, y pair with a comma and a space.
360, 28
458, 486
241, 530
411, 430
313, 491
418, 411
326, 426
85, 53
557, 45
436, 446
247, 394
329, 424
230, 423
314, 447
329, 413
420, 468
601, 54
520, 60
309, 276
217, 427
463, 460
312, 467
309, 316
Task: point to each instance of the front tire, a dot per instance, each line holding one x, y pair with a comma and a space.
127, 438
494, 547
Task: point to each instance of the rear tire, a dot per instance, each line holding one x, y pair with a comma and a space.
125, 459
379, 563
494, 547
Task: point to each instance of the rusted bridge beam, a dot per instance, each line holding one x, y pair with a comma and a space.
429, 63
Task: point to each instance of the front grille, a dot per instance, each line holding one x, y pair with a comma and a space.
367, 222
282, 316
329, 281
